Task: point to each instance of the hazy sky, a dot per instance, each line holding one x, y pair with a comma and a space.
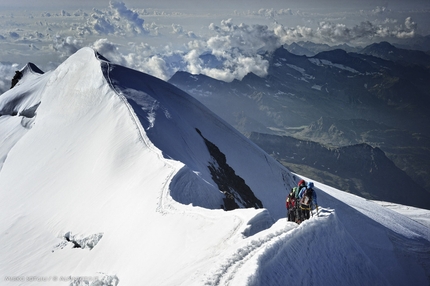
160, 37
235, 4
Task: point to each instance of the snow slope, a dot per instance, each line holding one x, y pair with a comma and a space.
104, 180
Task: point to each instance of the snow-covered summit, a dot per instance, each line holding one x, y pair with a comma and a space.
164, 119
111, 176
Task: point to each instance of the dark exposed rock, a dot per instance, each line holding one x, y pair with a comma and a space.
237, 192
69, 239
16, 78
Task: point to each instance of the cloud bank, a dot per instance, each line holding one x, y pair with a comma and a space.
335, 33
7, 71
225, 50
133, 21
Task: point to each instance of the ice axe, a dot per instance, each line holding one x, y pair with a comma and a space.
316, 207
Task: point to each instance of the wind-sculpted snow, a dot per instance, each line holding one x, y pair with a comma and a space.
328, 250
291, 253
18, 108
301, 256
398, 246
109, 184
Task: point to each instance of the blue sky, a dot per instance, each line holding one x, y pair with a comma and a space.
161, 37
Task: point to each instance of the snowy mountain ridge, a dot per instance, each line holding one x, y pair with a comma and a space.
112, 177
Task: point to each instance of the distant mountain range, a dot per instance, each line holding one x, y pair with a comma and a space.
418, 43
389, 52
379, 96
359, 169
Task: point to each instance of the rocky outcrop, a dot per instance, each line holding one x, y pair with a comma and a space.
237, 192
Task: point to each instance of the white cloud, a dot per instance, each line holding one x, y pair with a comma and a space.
155, 66
410, 25
389, 21
165, 43
143, 58
67, 46
134, 22
177, 29
337, 33
79, 13
64, 13
248, 38
191, 34
152, 29
109, 50
116, 20
101, 24
270, 13
379, 10
236, 48
7, 71
266, 12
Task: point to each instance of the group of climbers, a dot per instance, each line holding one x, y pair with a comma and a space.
300, 201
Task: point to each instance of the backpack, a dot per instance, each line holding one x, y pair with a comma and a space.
295, 191
307, 197
291, 200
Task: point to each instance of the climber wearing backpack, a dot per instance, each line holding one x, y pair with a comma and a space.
291, 206
298, 212
307, 198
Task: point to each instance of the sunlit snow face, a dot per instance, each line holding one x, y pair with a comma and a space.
162, 37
